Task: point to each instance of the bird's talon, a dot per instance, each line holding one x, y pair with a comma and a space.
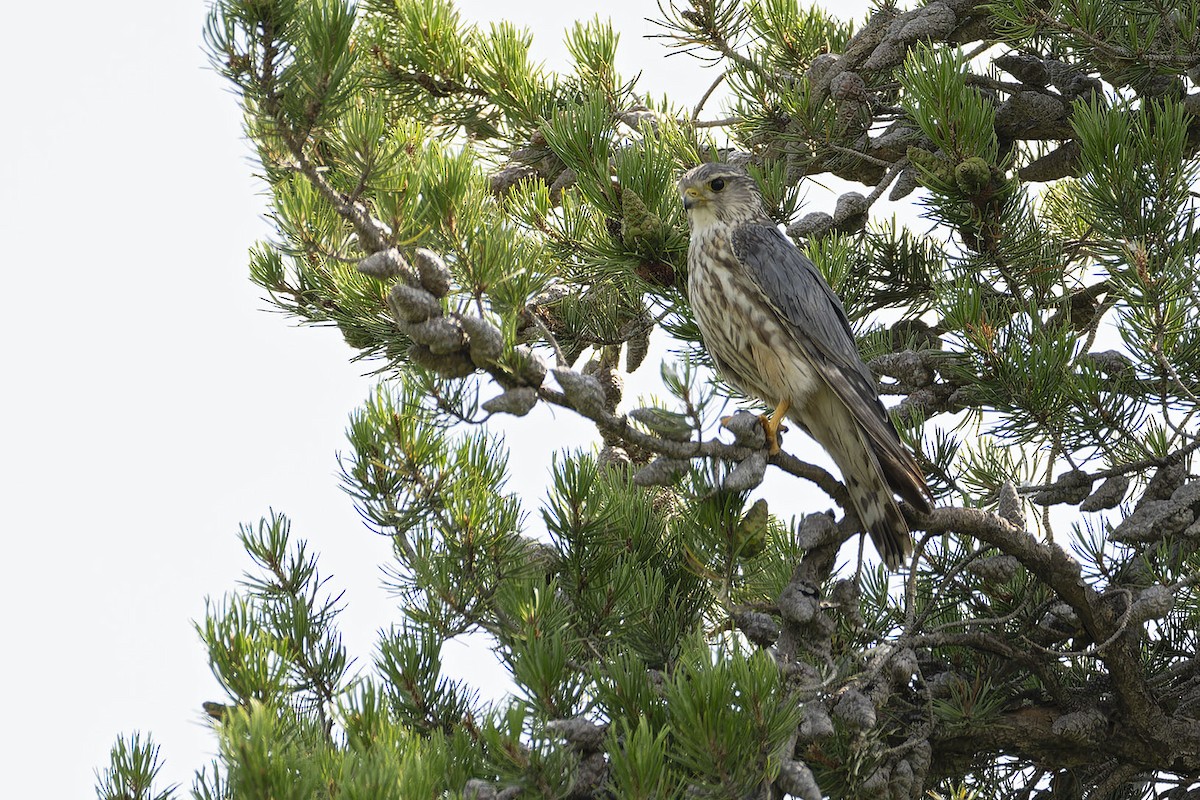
773, 424
771, 429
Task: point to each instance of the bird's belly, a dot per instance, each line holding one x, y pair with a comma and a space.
751, 347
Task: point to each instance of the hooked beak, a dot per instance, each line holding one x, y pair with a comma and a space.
691, 198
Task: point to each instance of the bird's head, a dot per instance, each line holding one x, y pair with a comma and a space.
720, 194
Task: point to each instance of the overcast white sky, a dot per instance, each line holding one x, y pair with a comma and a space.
150, 405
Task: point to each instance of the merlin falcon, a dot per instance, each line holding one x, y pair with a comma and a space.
776, 331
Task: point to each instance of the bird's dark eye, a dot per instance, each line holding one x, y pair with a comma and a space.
716, 184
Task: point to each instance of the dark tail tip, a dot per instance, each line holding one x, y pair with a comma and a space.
893, 546
890, 534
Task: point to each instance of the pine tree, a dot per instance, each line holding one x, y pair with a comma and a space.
494, 238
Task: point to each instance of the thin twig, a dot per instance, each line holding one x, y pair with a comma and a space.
849, 151
1122, 469
716, 123
560, 358
883, 184
707, 94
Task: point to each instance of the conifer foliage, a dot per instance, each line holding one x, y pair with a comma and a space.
499, 239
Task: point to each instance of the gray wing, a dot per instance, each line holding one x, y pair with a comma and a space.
798, 292
804, 302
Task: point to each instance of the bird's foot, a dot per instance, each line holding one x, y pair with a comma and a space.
773, 423
772, 429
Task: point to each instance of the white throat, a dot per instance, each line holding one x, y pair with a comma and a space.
703, 220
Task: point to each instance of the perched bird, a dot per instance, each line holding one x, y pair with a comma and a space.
778, 332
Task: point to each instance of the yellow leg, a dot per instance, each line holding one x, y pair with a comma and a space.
773, 422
